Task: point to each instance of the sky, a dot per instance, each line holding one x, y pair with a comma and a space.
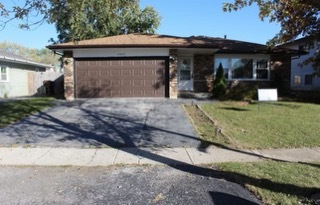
179, 18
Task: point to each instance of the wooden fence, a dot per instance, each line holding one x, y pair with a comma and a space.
37, 83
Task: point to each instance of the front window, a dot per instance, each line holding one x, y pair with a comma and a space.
262, 69
4, 73
244, 67
224, 62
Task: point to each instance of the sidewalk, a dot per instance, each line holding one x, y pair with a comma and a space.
47, 156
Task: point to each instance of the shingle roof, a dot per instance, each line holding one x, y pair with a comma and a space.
10, 57
165, 41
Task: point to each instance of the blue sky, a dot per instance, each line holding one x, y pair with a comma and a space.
179, 18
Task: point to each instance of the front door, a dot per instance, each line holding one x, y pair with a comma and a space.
185, 66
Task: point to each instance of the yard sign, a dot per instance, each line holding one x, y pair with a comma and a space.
266, 95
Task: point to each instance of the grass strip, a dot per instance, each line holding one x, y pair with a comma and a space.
14, 110
276, 182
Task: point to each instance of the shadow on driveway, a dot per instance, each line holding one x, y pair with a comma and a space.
104, 122
134, 123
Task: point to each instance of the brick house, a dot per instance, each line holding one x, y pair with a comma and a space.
149, 65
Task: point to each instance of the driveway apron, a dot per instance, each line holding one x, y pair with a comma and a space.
105, 122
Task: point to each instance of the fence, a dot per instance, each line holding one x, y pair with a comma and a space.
37, 81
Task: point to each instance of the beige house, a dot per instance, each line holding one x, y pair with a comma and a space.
17, 75
149, 65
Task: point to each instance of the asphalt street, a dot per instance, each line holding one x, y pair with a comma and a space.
119, 185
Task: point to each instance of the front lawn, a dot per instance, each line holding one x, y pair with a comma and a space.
242, 125
276, 182
14, 110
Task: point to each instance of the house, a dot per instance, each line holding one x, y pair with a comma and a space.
17, 74
149, 65
302, 75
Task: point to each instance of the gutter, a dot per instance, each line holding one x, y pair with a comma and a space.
25, 62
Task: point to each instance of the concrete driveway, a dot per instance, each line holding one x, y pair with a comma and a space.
106, 122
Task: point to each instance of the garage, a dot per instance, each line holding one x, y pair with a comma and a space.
121, 77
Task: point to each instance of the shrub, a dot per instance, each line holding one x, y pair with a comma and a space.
219, 84
243, 92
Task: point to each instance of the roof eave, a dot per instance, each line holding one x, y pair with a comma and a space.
68, 47
222, 50
24, 62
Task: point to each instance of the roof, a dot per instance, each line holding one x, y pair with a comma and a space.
165, 41
12, 58
302, 41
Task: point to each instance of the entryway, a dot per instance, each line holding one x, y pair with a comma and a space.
185, 77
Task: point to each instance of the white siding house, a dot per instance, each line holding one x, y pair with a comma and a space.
302, 76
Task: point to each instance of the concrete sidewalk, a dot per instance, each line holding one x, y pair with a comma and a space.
47, 156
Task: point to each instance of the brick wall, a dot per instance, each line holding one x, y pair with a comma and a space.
68, 70
173, 69
203, 73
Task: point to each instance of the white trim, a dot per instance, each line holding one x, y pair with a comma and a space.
120, 52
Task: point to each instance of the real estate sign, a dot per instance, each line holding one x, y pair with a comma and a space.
267, 95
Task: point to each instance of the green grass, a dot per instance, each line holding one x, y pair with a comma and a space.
276, 182
275, 125
14, 110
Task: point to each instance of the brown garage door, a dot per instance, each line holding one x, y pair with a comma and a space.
121, 77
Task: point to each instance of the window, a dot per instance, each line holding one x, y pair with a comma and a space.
308, 79
185, 69
244, 67
297, 80
4, 74
262, 69
225, 65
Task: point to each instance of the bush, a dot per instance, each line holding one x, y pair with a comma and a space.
245, 92
219, 84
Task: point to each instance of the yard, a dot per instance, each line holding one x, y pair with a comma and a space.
243, 125
14, 110
277, 182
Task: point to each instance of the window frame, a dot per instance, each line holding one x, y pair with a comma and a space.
253, 57
7, 73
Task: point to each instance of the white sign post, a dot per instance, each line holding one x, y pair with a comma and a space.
266, 95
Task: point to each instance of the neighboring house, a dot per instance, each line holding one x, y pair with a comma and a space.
17, 75
302, 76
149, 65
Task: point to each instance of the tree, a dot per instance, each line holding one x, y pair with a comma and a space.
31, 13
83, 19
87, 19
296, 17
38, 55
219, 84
